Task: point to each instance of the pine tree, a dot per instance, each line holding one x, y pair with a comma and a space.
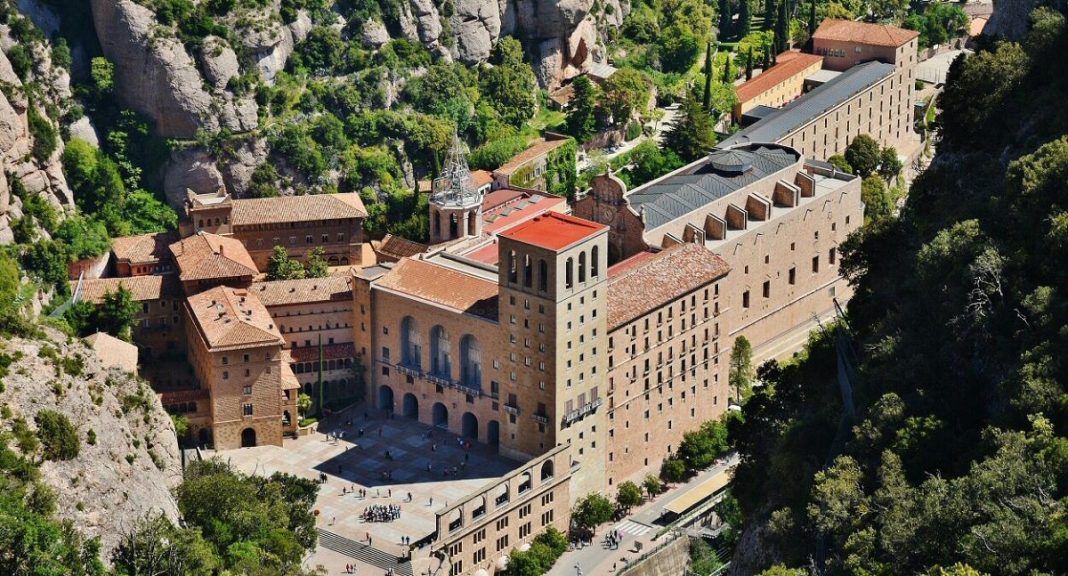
812, 18
769, 14
749, 65
693, 135
582, 111
727, 70
782, 29
707, 100
745, 18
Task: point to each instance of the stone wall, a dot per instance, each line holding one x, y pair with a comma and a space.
671, 560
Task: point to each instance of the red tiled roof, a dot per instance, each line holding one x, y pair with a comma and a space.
442, 286
309, 207
535, 150
481, 177
288, 292
396, 247
141, 287
553, 231
330, 352
143, 248
777, 74
203, 256
504, 216
624, 265
654, 282
232, 318
864, 33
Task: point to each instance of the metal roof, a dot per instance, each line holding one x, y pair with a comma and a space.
810, 106
701, 183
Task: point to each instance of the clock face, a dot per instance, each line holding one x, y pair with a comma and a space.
607, 214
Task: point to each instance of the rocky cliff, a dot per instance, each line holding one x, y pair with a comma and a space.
45, 93
128, 459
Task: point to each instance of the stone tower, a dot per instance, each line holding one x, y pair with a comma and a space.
455, 204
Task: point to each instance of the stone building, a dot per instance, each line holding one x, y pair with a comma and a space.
143, 254
779, 84
333, 222
159, 328
873, 95
528, 168
235, 351
775, 218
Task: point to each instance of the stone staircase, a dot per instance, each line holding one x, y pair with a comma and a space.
363, 553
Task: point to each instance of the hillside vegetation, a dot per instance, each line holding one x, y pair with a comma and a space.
958, 462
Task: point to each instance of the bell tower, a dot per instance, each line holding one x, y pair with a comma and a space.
455, 204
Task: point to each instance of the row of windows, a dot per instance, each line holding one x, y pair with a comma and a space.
593, 265
307, 367
832, 257
308, 239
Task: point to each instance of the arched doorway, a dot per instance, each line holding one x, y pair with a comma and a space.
411, 406
205, 436
385, 398
441, 415
287, 419
248, 438
493, 433
469, 426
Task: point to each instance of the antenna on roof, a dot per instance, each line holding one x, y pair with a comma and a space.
455, 187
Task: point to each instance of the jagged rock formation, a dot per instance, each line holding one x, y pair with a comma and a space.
17, 141
1011, 18
128, 459
157, 77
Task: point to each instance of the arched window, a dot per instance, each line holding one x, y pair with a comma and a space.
569, 273
440, 358
528, 271
543, 276
582, 266
513, 275
411, 346
547, 470
470, 362
595, 262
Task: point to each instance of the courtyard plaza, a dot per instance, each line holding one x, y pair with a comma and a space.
418, 456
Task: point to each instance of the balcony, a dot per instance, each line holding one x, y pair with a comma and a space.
511, 409
541, 418
582, 411
410, 370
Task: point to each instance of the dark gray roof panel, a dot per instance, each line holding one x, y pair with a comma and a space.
680, 194
808, 107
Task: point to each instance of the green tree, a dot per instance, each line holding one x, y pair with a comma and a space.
783, 570
692, 135
582, 110
9, 289
863, 154
700, 448
749, 65
725, 16
678, 47
741, 373
317, 266
117, 313
841, 163
304, 403
652, 485
59, 438
769, 14
155, 546
673, 470
591, 511
878, 202
706, 101
628, 495
811, 18
782, 28
728, 78
282, 267
624, 93
745, 18
889, 164
510, 86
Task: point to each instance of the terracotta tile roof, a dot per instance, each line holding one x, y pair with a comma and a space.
777, 74
563, 96
112, 352
442, 286
310, 207
535, 150
553, 231
977, 25
395, 247
660, 280
481, 177
518, 210
624, 265
864, 33
203, 256
141, 287
232, 318
288, 292
143, 248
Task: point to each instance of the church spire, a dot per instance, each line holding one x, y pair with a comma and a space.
454, 188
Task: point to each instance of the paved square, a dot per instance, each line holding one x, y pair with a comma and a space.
392, 459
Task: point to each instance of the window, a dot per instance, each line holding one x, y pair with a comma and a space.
815, 264
247, 390
225, 360
569, 273
831, 256
793, 276
767, 288
226, 375
246, 409
745, 299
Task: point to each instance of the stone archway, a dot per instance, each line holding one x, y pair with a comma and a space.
411, 406
441, 415
248, 438
385, 398
469, 426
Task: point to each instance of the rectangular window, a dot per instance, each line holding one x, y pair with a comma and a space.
793, 275
247, 390
815, 264
246, 409
767, 288
745, 299
831, 255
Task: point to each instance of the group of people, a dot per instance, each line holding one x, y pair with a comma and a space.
381, 513
613, 539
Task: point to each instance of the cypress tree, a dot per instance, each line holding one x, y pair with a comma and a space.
727, 70
812, 18
707, 100
769, 14
749, 65
782, 29
744, 18
724, 18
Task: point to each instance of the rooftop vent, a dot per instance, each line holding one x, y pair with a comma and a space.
730, 162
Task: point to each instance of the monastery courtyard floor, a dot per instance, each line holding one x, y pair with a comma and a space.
359, 462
